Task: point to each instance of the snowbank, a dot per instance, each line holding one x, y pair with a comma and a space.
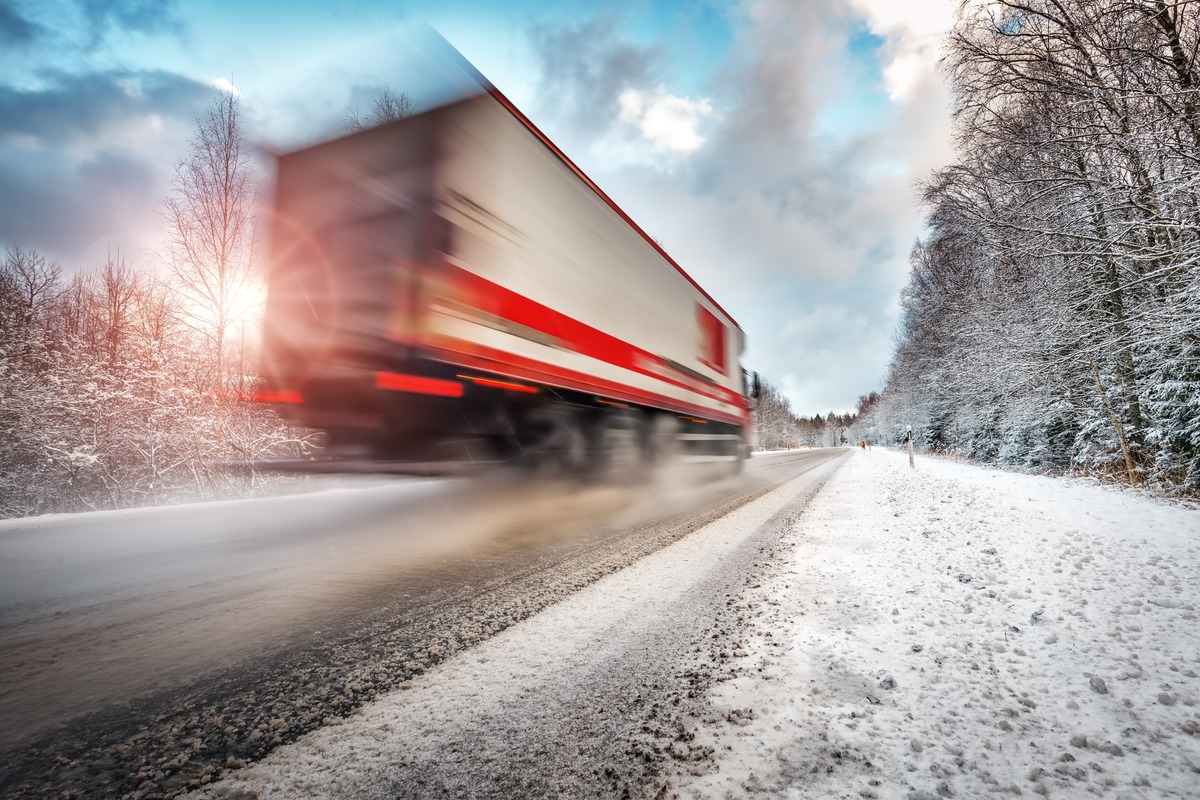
953, 631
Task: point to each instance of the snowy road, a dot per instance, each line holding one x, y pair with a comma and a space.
557, 706
151, 650
96, 608
833, 625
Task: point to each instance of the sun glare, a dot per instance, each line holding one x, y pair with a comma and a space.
244, 305
247, 301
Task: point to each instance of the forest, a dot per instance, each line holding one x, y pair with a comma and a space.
1052, 316
122, 386
775, 426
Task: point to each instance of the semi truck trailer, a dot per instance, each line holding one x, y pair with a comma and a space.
450, 289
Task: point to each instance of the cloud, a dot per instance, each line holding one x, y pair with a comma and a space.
65, 31
83, 108
829, 346
791, 202
668, 122
223, 85
16, 30
141, 16
913, 30
918, 17
88, 155
585, 69
60, 206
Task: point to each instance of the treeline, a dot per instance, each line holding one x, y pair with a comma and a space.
109, 400
120, 387
776, 426
1053, 311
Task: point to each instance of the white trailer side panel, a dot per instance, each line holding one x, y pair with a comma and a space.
526, 222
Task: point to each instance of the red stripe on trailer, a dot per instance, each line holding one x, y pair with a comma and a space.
579, 337
500, 362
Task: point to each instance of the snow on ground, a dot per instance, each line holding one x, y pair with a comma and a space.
955, 631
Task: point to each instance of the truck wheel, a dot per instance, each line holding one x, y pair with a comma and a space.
662, 441
616, 448
551, 442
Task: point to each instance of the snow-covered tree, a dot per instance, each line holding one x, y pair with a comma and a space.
105, 397
1046, 320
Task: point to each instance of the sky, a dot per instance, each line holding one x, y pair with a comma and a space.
771, 146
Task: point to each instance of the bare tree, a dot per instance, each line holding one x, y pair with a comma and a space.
389, 105
116, 291
209, 219
156, 317
30, 284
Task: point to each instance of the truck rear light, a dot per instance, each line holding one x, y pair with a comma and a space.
289, 396
498, 384
417, 384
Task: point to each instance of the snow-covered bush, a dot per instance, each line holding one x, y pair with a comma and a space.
108, 405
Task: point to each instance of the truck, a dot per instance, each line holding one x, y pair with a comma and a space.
449, 290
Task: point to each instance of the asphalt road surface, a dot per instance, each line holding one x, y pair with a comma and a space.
150, 652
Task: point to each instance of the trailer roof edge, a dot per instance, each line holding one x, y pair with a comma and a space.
516, 112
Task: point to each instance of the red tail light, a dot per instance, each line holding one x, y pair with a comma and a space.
416, 384
498, 384
277, 396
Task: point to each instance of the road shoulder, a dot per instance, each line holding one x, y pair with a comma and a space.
952, 631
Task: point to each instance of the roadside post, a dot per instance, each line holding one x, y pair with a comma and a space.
910, 450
